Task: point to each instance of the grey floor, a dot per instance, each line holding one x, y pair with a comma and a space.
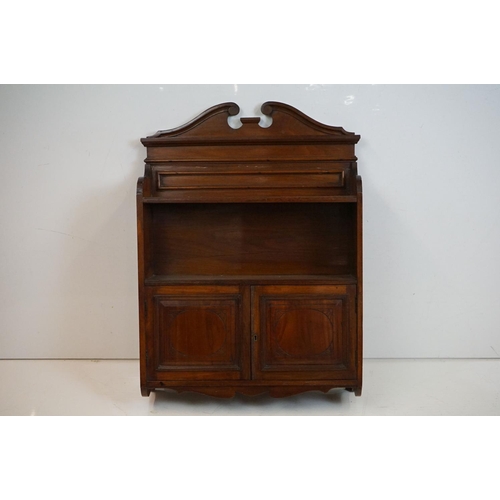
111, 387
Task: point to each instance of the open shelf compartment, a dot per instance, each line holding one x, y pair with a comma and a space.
281, 241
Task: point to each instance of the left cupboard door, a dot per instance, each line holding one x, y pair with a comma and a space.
197, 333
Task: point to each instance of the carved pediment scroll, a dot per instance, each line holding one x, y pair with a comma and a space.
289, 125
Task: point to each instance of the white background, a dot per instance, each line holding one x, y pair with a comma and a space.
70, 157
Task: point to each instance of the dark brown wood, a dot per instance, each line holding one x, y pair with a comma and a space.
198, 332
359, 292
202, 335
142, 263
303, 332
251, 181
255, 279
253, 239
250, 256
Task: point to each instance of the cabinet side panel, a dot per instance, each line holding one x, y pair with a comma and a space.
141, 252
359, 275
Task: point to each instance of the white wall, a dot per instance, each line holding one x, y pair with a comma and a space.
70, 158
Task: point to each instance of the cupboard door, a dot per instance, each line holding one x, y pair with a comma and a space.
303, 332
198, 332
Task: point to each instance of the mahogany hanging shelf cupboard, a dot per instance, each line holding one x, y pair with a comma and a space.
250, 256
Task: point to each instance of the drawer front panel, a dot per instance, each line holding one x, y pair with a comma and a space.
249, 180
188, 181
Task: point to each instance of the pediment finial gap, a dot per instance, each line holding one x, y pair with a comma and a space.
250, 119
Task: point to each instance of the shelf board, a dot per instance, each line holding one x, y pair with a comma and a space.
159, 280
229, 198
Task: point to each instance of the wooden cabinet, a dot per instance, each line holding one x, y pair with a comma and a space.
250, 256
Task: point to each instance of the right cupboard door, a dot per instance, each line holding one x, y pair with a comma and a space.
304, 332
